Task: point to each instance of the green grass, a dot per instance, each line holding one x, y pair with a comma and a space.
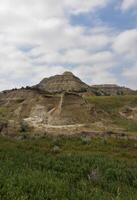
128, 125
96, 169
3, 112
111, 105
72, 168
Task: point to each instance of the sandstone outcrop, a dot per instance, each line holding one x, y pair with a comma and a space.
66, 82
33, 109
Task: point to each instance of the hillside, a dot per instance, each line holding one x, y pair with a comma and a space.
117, 111
68, 144
111, 90
63, 104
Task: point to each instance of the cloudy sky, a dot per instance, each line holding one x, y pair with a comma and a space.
95, 39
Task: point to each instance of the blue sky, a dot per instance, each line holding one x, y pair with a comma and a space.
109, 16
95, 39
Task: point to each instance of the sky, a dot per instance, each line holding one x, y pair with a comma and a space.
95, 39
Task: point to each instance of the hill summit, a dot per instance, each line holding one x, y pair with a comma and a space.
66, 82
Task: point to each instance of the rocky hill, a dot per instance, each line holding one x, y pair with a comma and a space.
111, 90
67, 82
58, 104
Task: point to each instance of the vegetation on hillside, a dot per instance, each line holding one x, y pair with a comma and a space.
111, 106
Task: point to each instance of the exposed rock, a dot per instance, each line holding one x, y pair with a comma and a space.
66, 82
72, 109
69, 109
39, 110
56, 104
129, 113
111, 90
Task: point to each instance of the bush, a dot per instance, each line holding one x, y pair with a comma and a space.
56, 149
24, 127
85, 140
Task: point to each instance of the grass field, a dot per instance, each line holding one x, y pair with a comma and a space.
68, 169
77, 168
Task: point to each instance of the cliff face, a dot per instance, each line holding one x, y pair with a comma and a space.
35, 110
66, 82
71, 109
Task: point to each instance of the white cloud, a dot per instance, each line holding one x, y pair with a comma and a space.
80, 6
131, 72
37, 39
95, 74
126, 44
80, 56
128, 4
44, 9
75, 56
125, 47
130, 75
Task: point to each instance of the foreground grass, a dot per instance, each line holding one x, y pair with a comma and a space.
68, 169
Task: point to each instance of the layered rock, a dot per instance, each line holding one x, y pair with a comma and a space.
66, 82
72, 109
111, 90
33, 109
58, 101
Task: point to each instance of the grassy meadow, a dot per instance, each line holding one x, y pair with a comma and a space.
60, 168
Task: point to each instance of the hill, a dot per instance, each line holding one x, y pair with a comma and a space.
66, 82
63, 104
111, 90
69, 144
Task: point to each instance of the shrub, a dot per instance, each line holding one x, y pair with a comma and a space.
56, 149
86, 139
